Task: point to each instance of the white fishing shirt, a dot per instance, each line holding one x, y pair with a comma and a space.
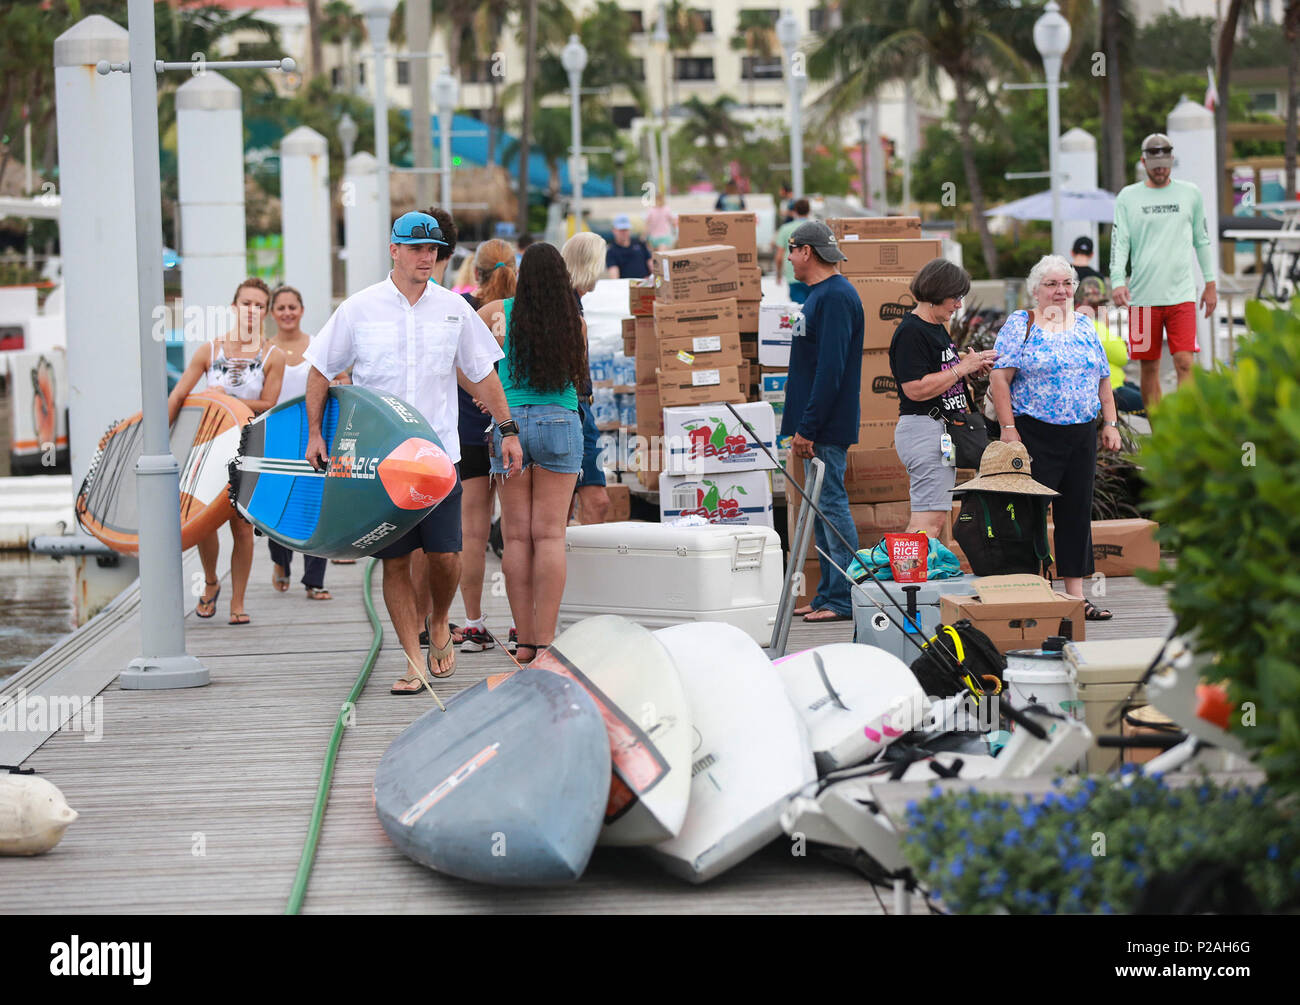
408, 350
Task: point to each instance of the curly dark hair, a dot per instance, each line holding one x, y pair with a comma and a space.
547, 348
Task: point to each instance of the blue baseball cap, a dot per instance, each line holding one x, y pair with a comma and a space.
417, 228
622, 222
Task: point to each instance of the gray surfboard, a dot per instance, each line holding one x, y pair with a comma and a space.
508, 786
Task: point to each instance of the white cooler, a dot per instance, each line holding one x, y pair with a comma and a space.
658, 575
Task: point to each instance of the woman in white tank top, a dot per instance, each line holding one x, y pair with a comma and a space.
236, 362
289, 344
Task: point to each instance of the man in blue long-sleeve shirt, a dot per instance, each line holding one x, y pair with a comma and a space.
821, 400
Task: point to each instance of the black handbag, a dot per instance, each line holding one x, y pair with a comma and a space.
970, 436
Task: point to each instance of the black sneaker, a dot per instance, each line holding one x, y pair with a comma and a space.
476, 640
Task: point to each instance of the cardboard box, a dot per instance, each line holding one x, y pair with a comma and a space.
691, 320
888, 258
747, 310
849, 228
697, 274
776, 324
772, 390
620, 503
740, 230
870, 476
1121, 547
751, 284
700, 352
699, 387
749, 346
885, 300
641, 298
747, 372
1015, 612
649, 411
708, 439
740, 498
872, 520
876, 434
629, 337
879, 393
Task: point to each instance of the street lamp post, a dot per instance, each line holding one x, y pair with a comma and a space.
445, 93
347, 135
574, 60
620, 158
864, 127
661, 43
787, 32
378, 14
1052, 39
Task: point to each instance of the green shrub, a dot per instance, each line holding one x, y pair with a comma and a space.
1222, 468
1092, 848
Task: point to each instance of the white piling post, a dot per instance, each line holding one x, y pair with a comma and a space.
305, 220
210, 172
1078, 159
361, 233
1191, 129
97, 213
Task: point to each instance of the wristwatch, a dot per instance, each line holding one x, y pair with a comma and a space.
1113, 425
508, 428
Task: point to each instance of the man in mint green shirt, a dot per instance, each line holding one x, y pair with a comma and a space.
1155, 221
784, 270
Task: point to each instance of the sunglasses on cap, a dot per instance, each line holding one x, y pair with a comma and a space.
422, 231
1159, 151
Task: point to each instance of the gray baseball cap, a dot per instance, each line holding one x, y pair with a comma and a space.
817, 236
1158, 151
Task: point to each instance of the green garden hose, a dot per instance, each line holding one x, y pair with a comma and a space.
308, 858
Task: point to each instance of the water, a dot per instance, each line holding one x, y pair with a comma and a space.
36, 606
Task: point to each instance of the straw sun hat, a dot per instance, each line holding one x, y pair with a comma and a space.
1005, 468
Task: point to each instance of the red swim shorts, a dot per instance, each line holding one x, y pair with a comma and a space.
1146, 324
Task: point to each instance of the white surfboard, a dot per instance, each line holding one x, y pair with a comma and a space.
635, 685
854, 699
750, 755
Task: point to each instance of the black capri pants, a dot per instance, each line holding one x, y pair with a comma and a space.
1064, 458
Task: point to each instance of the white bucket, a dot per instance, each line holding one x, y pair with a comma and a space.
1042, 677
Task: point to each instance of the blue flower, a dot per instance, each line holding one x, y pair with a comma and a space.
1090, 784
957, 868
935, 792
1273, 852
997, 887
1012, 837
963, 804
912, 807
978, 817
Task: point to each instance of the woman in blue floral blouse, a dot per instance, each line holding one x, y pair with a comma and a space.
1050, 381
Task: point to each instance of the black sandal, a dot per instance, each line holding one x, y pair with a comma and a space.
1092, 613
527, 645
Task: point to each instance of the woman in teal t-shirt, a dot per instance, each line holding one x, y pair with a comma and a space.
545, 342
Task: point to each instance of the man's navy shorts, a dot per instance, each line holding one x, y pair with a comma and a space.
439, 532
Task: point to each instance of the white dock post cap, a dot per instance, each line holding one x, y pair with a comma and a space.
303, 142
90, 40
208, 91
362, 163
1078, 141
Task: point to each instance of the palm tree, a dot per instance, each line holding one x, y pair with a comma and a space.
1224, 45
314, 39
709, 125
684, 27
343, 27
971, 41
755, 35
526, 128
1117, 29
550, 138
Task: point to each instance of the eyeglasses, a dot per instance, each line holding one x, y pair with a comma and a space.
1159, 151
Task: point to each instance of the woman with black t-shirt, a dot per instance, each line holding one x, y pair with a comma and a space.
931, 380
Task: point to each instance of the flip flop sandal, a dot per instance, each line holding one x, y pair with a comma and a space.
240, 619
317, 593
439, 652
829, 615
409, 678
210, 602
281, 583
527, 645
1092, 613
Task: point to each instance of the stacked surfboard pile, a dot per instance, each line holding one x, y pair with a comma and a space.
688, 742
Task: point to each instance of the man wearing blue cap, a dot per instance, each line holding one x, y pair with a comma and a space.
411, 338
627, 257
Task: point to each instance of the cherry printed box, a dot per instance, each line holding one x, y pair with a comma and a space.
740, 498
707, 439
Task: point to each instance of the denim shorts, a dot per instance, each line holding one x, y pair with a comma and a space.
550, 435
